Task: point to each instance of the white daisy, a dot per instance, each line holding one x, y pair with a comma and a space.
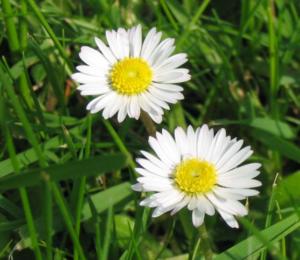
131, 74
197, 170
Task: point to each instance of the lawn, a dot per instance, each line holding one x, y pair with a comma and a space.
66, 174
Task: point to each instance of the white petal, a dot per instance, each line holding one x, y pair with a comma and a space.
123, 109
174, 76
168, 87
93, 89
157, 148
224, 144
158, 102
167, 146
112, 108
170, 198
151, 167
84, 78
171, 145
150, 43
154, 180
197, 217
92, 57
103, 102
156, 118
240, 183
116, 106
94, 70
216, 144
161, 52
123, 43
235, 160
136, 41
229, 219
203, 204
245, 171
146, 98
107, 53
228, 193
204, 141
137, 187
159, 163
230, 206
193, 203
232, 148
171, 63
170, 97
181, 205
92, 103
111, 37
181, 140
157, 187
192, 141
134, 108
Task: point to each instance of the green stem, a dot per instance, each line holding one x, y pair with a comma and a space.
82, 181
205, 243
14, 46
271, 205
48, 217
36, 9
194, 20
169, 15
273, 57
23, 26
68, 219
24, 197
119, 143
12, 35
47, 210
96, 222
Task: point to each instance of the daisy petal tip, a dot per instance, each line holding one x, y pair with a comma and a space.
137, 187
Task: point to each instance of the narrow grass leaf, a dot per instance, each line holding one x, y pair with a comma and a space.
254, 245
70, 170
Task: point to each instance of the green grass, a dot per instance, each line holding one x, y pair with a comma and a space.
65, 175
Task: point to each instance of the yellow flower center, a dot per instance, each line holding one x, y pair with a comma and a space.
195, 176
131, 76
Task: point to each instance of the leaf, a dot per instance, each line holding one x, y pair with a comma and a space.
288, 190
74, 169
4, 234
178, 12
254, 245
284, 147
10, 207
124, 224
113, 196
275, 127
29, 156
103, 200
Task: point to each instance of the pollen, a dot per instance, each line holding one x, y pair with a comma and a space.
194, 176
131, 76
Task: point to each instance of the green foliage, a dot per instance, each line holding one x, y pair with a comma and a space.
65, 175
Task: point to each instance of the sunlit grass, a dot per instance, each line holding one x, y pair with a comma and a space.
65, 175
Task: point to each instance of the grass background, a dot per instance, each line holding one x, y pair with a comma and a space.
65, 175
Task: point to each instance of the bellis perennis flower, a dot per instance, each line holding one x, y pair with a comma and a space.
199, 170
130, 75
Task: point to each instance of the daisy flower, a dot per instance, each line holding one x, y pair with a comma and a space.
131, 74
199, 170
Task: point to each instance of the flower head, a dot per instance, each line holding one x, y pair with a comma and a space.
130, 75
199, 170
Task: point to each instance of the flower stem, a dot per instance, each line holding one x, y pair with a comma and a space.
205, 243
148, 123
